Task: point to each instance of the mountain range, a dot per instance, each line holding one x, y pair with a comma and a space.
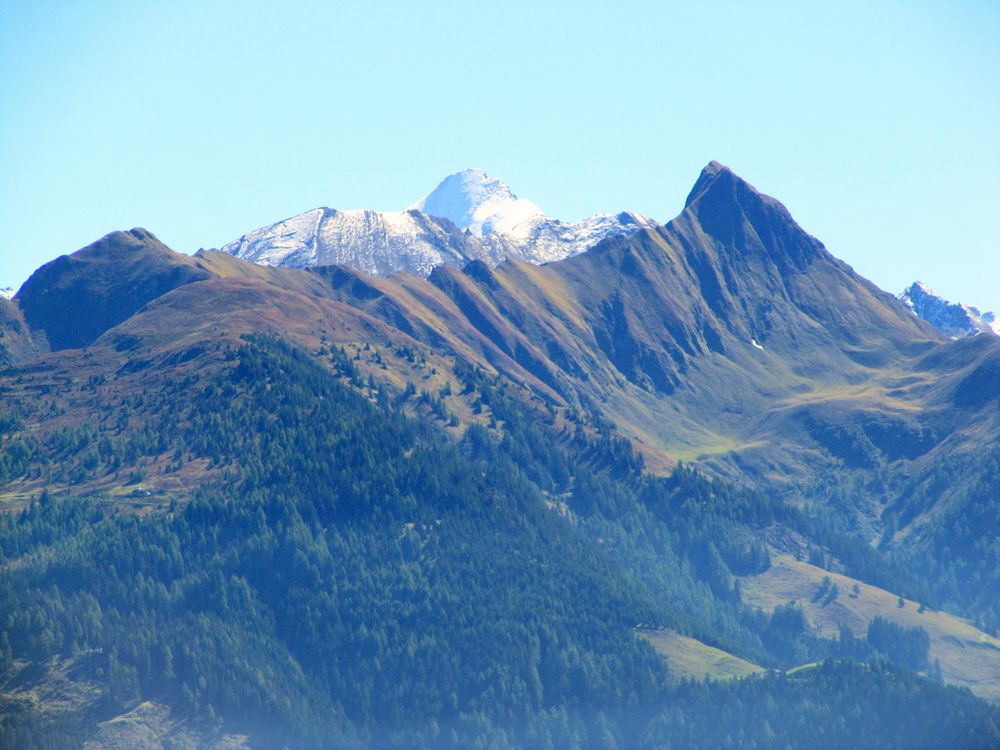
481, 500
469, 216
492, 224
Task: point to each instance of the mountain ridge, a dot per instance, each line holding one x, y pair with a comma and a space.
468, 216
104, 284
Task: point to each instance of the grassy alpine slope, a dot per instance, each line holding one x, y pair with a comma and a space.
966, 656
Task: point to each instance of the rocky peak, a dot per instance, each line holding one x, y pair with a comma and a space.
954, 319
745, 220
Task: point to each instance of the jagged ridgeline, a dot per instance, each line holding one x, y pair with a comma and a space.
517, 506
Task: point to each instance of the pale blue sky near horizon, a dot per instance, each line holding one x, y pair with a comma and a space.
877, 124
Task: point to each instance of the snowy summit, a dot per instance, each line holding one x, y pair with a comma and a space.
514, 227
468, 216
473, 200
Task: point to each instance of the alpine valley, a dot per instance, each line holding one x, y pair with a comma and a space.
468, 476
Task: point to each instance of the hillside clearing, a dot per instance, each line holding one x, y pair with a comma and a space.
969, 657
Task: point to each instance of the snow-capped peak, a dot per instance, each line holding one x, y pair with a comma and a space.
468, 216
955, 319
7, 292
473, 200
514, 227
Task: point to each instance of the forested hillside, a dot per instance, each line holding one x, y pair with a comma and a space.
356, 578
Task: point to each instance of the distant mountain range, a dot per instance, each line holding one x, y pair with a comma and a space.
954, 319
469, 216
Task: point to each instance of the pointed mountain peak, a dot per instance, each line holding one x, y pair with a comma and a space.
124, 241
739, 216
119, 248
470, 198
718, 179
713, 169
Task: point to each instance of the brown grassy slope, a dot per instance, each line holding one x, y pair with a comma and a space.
75, 298
968, 657
730, 338
154, 362
689, 658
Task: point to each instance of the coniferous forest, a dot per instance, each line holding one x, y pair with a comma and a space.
356, 578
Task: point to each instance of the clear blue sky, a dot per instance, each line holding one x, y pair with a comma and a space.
877, 124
